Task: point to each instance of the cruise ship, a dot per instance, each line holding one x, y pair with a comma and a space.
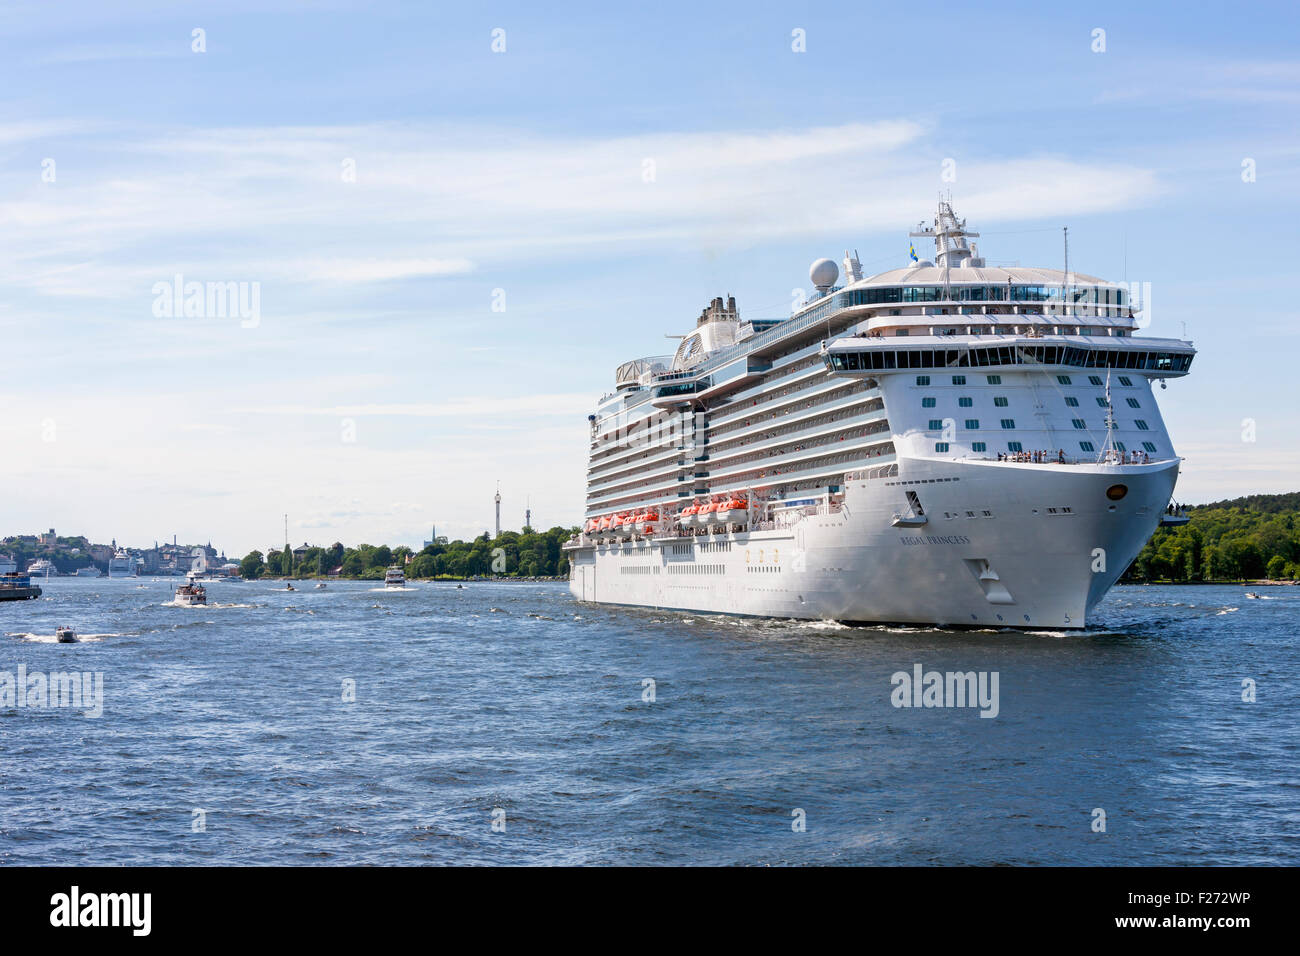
946, 443
41, 568
121, 565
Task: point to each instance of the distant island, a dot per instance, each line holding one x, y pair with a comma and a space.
1244, 539
515, 554
1255, 538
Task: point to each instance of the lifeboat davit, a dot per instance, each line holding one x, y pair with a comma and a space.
709, 514
688, 515
647, 520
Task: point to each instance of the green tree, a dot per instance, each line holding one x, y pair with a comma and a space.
251, 567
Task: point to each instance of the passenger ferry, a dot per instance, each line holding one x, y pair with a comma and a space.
946, 443
394, 577
18, 587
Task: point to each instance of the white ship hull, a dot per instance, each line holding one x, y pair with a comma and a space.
1023, 561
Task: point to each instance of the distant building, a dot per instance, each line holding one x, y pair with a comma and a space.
49, 538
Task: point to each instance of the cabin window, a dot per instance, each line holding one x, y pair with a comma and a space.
1125, 380
1149, 447
1008, 423
927, 402
972, 423
994, 379
1134, 403
1014, 446
978, 446
965, 402
1142, 426
959, 379
1000, 401
923, 380
1101, 401
1095, 380
1087, 446
936, 424
941, 446
1071, 401
1079, 423
1063, 379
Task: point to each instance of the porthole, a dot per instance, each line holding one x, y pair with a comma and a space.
1116, 492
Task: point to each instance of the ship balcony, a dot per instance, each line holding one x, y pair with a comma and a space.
785, 424
828, 471
826, 407
719, 454
857, 447
666, 473
827, 384
607, 468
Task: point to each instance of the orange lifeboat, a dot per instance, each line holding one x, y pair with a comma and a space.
733, 510
708, 514
688, 515
605, 526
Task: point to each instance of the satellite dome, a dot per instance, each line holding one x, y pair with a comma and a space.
823, 273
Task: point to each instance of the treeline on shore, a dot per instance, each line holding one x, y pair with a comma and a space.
526, 554
1243, 539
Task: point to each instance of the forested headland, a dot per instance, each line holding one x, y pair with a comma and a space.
1243, 539
515, 554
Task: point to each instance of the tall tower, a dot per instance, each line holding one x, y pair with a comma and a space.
528, 513
498, 501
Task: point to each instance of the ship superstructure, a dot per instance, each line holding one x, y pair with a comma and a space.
945, 443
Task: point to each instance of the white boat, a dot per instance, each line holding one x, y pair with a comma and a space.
121, 565
394, 577
944, 443
320, 585
65, 635
91, 572
42, 568
191, 593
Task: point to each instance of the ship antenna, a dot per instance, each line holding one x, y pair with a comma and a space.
1065, 277
1108, 449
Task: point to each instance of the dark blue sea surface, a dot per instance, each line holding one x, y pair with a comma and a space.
515, 698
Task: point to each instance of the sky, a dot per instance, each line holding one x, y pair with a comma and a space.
450, 223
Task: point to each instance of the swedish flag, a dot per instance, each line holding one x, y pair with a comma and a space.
912, 253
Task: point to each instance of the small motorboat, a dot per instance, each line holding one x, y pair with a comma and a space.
320, 585
1252, 594
191, 593
65, 635
394, 578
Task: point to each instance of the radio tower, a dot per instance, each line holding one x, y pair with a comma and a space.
528, 514
498, 501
